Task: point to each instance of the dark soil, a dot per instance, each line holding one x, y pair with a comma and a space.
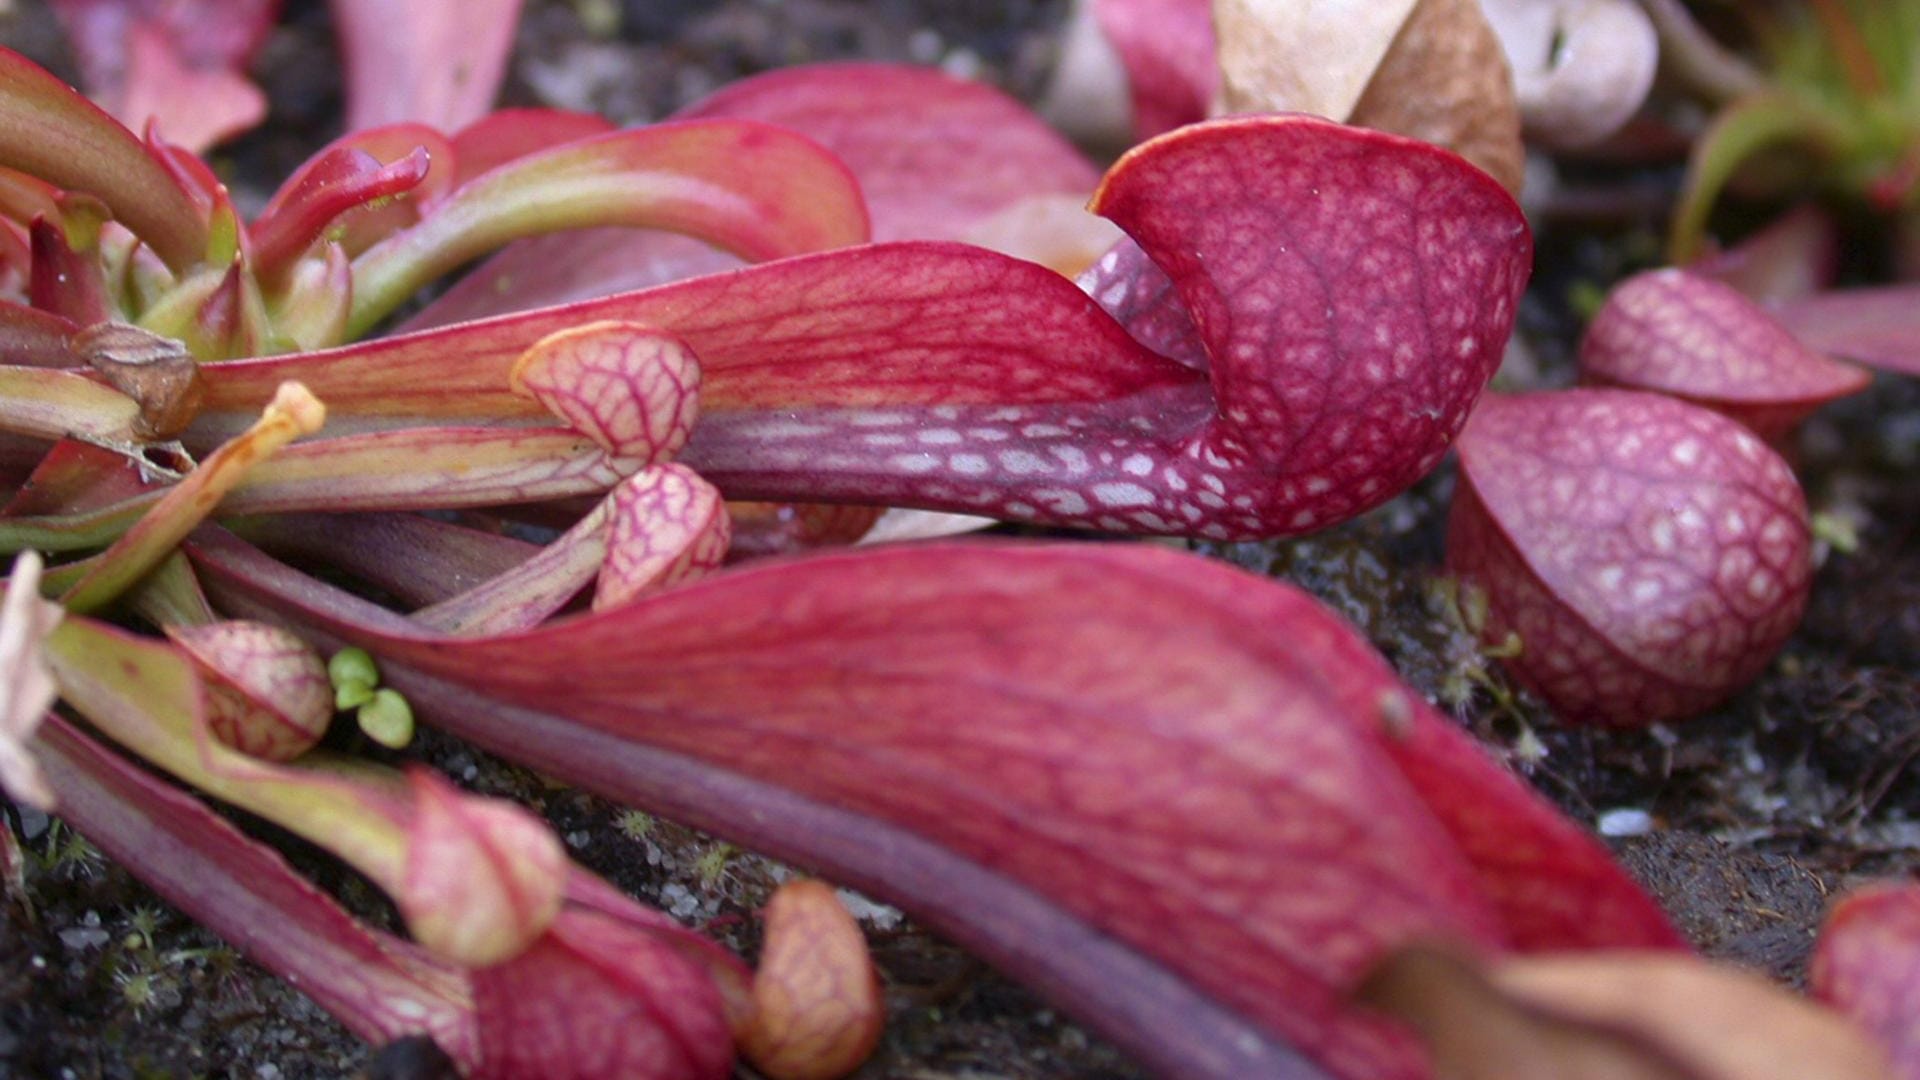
1744, 822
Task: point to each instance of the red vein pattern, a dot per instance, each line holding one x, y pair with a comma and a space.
482, 877
1347, 293
817, 1006
634, 391
1694, 338
1651, 555
267, 692
667, 525
1169, 750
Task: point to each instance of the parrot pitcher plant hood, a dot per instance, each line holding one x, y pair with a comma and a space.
1189, 805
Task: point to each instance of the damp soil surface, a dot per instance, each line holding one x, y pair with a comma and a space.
1745, 822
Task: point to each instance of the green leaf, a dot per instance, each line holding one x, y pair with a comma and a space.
293, 412
751, 188
1740, 131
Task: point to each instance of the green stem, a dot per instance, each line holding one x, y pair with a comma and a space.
171, 596
293, 412
50, 132
56, 533
44, 403
1740, 131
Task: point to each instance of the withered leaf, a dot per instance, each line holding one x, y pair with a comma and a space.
1621, 1015
1445, 80
1431, 69
1317, 58
156, 372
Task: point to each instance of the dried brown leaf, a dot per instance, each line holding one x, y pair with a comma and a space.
1318, 58
1445, 79
1619, 1015
156, 372
1431, 69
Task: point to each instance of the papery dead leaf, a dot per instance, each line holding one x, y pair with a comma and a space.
898, 524
1432, 69
27, 688
1445, 80
155, 371
1054, 230
1721, 1021
1620, 1015
1317, 58
1867, 965
1476, 1032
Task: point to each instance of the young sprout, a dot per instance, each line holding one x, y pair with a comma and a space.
386, 718
354, 675
381, 712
